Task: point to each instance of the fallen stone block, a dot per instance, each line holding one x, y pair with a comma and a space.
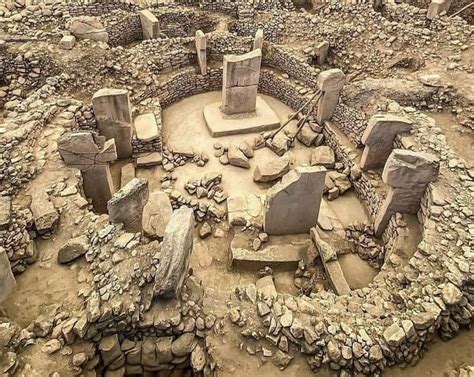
73, 249
245, 209
307, 136
283, 257
237, 158
176, 250
149, 160
272, 170
341, 181
266, 287
126, 206
45, 215
323, 156
156, 214
7, 280
328, 256
146, 127
67, 42
86, 27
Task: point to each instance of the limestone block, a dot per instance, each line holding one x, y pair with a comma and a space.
156, 214
44, 214
237, 158
67, 42
86, 27
266, 287
146, 127
127, 174
149, 159
126, 206
176, 251
73, 249
321, 51
5, 211
113, 113
323, 156
331, 80
150, 24
7, 280
378, 138
408, 169
272, 170
292, 206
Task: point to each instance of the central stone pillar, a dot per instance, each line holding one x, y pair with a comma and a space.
241, 110
240, 82
113, 114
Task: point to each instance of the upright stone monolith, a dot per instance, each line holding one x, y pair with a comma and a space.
240, 82
175, 254
292, 205
113, 114
150, 24
201, 46
7, 280
407, 174
91, 154
378, 138
258, 40
330, 83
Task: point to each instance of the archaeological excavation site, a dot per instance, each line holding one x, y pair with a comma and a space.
249, 188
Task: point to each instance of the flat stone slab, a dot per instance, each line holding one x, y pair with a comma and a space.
222, 125
146, 127
149, 159
245, 208
283, 257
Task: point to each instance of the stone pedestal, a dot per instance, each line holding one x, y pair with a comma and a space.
292, 206
91, 154
113, 114
330, 83
407, 174
201, 46
378, 139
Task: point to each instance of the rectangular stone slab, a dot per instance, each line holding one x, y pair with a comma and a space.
292, 205
150, 24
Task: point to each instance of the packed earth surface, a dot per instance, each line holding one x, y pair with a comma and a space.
236, 188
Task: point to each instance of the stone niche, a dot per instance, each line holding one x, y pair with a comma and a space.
241, 110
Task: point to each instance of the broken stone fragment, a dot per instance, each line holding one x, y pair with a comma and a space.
323, 156
451, 294
126, 206
341, 181
67, 42
146, 127
237, 157
73, 249
307, 136
44, 214
149, 159
394, 335
183, 345
7, 280
198, 358
266, 287
205, 230
175, 254
272, 170
87, 27
156, 214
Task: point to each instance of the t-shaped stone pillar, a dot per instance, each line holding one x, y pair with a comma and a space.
150, 24
292, 205
378, 139
258, 40
201, 45
90, 154
437, 7
113, 114
407, 174
240, 82
330, 83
